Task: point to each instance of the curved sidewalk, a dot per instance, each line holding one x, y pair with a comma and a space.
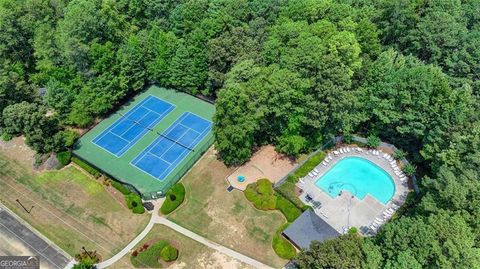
162, 220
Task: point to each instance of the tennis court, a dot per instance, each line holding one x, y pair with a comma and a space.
129, 128
151, 141
169, 149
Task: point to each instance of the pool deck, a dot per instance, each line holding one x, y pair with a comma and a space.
346, 210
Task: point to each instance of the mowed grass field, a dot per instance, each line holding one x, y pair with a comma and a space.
191, 253
223, 217
69, 207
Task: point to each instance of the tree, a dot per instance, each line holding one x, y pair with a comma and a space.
343, 252
32, 120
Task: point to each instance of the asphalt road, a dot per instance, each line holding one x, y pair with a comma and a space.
16, 238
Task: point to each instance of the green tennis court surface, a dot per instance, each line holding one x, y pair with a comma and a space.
152, 141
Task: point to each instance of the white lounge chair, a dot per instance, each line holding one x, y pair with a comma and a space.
380, 220
330, 157
335, 152
310, 174
316, 170
349, 149
324, 163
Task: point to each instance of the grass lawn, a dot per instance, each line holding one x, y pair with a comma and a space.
191, 253
226, 218
70, 208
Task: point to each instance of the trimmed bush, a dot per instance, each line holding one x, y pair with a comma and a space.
64, 157
288, 209
94, 172
169, 253
173, 198
149, 258
120, 187
261, 194
281, 246
134, 202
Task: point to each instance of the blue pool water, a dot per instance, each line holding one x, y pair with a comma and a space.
358, 176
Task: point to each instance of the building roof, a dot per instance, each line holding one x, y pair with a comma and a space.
307, 228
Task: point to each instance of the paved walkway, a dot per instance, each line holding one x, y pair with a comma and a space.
162, 220
212, 245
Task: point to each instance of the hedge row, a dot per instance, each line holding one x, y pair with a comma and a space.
288, 209
281, 246
120, 187
173, 198
94, 172
308, 166
287, 189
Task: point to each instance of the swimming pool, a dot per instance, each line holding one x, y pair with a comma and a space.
358, 176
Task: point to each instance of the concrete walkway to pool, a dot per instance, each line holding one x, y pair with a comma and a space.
346, 210
156, 219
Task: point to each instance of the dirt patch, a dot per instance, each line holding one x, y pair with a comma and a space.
217, 260
17, 150
265, 163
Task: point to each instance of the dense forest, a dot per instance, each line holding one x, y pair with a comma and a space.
289, 72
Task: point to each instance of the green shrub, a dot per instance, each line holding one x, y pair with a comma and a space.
287, 190
373, 141
250, 193
6, 137
281, 246
348, 138
288, 209
64, 157
169, 253
308, 166
120, 187
149, 258
264, 186
173, 198
134, 202
261, 194
94, 172
409, 169
399, 154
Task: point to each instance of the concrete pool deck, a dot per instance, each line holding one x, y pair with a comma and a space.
346, 210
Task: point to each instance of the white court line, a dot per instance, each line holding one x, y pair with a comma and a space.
154, 144
193, 142
120, 138
172, 127
119, 120
190, 128
142, 133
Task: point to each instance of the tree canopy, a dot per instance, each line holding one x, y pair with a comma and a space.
293, 73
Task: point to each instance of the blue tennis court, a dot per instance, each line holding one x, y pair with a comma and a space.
127, 130
167, 151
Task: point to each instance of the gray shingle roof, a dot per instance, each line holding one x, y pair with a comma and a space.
307, 228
